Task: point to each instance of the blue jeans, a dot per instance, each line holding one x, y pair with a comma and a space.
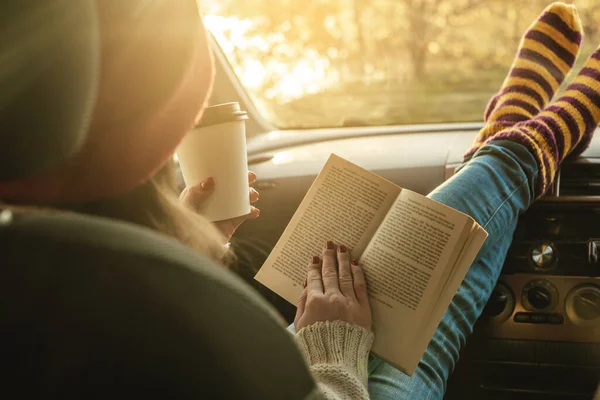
494, 187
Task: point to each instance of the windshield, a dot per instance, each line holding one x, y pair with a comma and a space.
330, 63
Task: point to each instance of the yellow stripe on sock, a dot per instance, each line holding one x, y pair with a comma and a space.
583, 99
575, 114
591, 63
518, 96
543, 72
540, 48
529, 83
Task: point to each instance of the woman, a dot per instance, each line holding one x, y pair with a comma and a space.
511, 164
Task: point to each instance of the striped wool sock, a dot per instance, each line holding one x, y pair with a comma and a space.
546, 54
563, 129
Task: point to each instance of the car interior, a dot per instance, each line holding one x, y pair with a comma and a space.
539, 335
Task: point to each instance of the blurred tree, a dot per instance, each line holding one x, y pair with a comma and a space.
314, 63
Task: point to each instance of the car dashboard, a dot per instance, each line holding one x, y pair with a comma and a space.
535, 338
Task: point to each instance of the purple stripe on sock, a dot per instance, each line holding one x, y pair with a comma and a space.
541, 129
588, 118
583, 144
552, 45
491, 106
517, 135
538, 58
590, 73
559, 135
518, 103
596, 55
552, 19
587, 91
526, 90
533, 76
511, 119
569, 120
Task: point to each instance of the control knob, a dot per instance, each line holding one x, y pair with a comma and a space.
543, 256
583, 305
501, 303
539, 295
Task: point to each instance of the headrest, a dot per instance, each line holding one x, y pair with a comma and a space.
48, 77
155, 74
94, 308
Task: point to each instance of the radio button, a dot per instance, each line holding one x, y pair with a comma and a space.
522, 317
543, 256
593, 252
539, 318
556, 319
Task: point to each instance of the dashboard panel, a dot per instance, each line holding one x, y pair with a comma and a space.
493, 364
416, 161
420, 157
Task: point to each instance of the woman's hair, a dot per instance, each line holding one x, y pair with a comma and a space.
155, 204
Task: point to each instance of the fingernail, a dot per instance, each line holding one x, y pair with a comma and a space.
207, 184
342, 248
354, 262
316, 259
305, 283
329, 245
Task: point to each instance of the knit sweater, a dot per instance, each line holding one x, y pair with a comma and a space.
337, 354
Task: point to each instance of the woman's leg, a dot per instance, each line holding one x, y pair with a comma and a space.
516, 166
495, 187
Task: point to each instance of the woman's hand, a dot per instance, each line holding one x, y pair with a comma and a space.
335, 289
195, 195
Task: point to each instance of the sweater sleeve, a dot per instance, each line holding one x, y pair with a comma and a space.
337, 354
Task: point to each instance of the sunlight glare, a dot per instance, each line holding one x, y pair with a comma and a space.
283, 157
309, 73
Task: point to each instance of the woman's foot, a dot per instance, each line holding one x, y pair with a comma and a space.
546, 54
565, 128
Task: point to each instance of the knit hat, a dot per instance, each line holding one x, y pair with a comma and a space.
155, 74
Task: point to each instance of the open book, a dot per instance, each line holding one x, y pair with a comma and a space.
415, 252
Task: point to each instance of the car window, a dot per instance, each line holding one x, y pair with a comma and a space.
329, 63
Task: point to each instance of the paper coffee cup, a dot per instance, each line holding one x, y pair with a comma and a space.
216, 148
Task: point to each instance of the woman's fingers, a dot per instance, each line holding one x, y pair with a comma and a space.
195, 195
345, 274
360, 285
253, 214
251, 177
254, 196
314, 280
330, 274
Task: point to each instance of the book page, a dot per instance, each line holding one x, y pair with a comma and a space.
345, 204
414, 249
447, 293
